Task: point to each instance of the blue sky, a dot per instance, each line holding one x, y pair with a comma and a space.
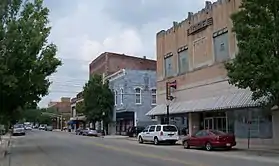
82, 29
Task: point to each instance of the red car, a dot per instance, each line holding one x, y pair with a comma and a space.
209, 139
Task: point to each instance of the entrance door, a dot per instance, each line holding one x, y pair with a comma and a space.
208, 124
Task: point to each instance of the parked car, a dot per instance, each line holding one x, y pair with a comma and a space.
134, 131
18, 129
159, 134
42, 126
48, 128
89, 132
209, 139
28, 127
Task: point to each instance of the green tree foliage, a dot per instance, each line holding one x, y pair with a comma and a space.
98, 100
26, 58
80, 108
256, 64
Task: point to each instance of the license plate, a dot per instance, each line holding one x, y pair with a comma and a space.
228, 144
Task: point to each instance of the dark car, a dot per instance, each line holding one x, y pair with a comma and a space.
209, 139
134, 131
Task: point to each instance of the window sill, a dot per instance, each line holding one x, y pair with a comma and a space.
154, 104
137, 103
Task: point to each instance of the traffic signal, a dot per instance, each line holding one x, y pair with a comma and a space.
170, 85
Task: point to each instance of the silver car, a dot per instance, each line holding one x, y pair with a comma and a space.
18, 129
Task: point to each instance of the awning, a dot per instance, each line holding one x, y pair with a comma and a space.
78, 118
237, 99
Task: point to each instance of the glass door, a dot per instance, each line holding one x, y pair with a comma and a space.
220, 124
208, 123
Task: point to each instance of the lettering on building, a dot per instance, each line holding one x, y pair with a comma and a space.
202, 25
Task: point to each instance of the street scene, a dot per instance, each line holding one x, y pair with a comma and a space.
139, 83
60, 148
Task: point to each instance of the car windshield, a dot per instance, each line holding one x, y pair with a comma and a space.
216, 132
18, 126
169, 128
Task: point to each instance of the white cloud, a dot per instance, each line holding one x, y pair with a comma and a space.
83, 29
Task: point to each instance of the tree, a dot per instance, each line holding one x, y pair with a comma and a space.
98, 100
256, 64
26, 58
80, 108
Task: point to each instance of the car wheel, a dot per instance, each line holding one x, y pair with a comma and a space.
208, 146
140, 140
186, 145
156, 141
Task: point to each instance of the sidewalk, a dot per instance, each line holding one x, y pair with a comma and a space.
4, 145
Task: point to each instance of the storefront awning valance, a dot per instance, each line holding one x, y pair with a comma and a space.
237, 99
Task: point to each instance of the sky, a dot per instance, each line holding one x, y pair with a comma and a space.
83, 29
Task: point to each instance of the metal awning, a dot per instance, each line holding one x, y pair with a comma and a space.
237, 99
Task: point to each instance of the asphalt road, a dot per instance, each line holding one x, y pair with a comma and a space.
40, 148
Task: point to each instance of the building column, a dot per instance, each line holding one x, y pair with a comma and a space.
194, 123
135, 119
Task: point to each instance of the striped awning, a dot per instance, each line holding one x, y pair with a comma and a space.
237, 99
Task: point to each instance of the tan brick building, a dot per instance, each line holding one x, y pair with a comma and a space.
193, 53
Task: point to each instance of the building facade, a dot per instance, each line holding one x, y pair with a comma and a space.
135, 94
63, 107
108, 63
193, 53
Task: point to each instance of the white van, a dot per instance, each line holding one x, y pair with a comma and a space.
159, 133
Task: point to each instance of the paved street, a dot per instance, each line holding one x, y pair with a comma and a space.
39, 148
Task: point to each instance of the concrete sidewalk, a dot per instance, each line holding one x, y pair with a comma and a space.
5, 143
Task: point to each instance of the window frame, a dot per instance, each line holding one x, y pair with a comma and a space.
115, 97
166, 68
185, 53
152, 96
121, 96
136, 95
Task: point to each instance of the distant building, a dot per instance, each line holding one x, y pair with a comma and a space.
63, 107
134, 95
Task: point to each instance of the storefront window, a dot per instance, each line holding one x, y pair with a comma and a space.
254, 122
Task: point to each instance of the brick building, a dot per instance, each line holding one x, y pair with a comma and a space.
193, 53
108, 63
63, 107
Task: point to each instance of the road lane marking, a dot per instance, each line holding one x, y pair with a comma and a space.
146, 155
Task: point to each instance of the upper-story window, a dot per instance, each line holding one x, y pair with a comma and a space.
221, 46
121, 95
154, 96
115, 97
183, 61
168, 66
138, 96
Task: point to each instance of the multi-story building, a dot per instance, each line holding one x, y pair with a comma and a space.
192, 53
63, 107
135, 95
108, 63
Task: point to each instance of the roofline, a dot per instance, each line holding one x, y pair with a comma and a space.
118, 54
